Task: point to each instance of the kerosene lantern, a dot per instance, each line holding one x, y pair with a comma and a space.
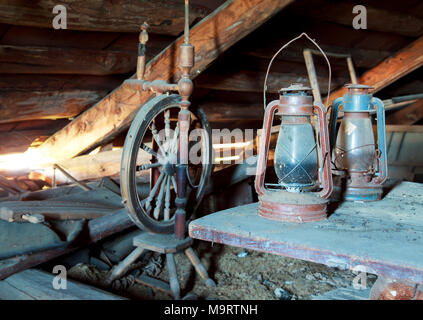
359, 165
303, 186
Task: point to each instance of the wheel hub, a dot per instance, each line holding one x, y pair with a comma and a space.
169, 169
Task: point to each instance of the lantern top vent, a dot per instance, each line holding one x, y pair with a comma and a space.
295, 89
358, 88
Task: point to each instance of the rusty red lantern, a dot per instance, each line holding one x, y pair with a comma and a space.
302, 165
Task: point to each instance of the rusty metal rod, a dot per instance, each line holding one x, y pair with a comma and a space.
80, 184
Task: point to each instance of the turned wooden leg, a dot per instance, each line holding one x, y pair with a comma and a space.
392, 289
173, 275
199, 267
122, 267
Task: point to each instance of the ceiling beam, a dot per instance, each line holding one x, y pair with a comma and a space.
362, 58
163, 16
212, 36
24, 97
50, 60
249, 81
377, 19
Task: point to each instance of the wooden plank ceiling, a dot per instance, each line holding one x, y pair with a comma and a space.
56, 75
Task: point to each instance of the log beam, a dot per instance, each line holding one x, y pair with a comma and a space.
213, 35
391, 69
222, 111
249, 81
363, 58
50, 97
163, 16
377, 19
49, 60
19, 141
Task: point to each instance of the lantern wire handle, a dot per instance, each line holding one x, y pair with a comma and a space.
283, 47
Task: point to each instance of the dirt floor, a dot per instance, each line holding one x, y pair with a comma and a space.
240, 274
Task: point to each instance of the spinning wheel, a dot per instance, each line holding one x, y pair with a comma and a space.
168, 148
150, 154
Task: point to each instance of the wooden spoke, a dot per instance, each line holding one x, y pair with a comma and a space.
159, 200
153, 192
167, 129
148, 166
149, 150
157, 138
174, 184
167, 200
174, 145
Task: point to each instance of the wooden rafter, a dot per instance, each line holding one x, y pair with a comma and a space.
363, 58
248, 81
50, 97
391, 69
49, 60
164, 16
213, 35
377, 19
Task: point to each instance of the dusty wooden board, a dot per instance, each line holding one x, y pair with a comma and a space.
96, 229
162, 243
38, 285
82, 205
385, 236
164, 16
53, 60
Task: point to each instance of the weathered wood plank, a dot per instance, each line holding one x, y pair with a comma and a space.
50, 37
166, 17
363, 58
19, 141
34, 284
55, 210
391, 69
25, 97
384, 236
377, 19
221, 111
9, 292
212, 36
17, 106
92, 166
54, 60
249, 81
344, 294
97, 229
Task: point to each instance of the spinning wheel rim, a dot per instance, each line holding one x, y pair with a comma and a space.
135, 137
